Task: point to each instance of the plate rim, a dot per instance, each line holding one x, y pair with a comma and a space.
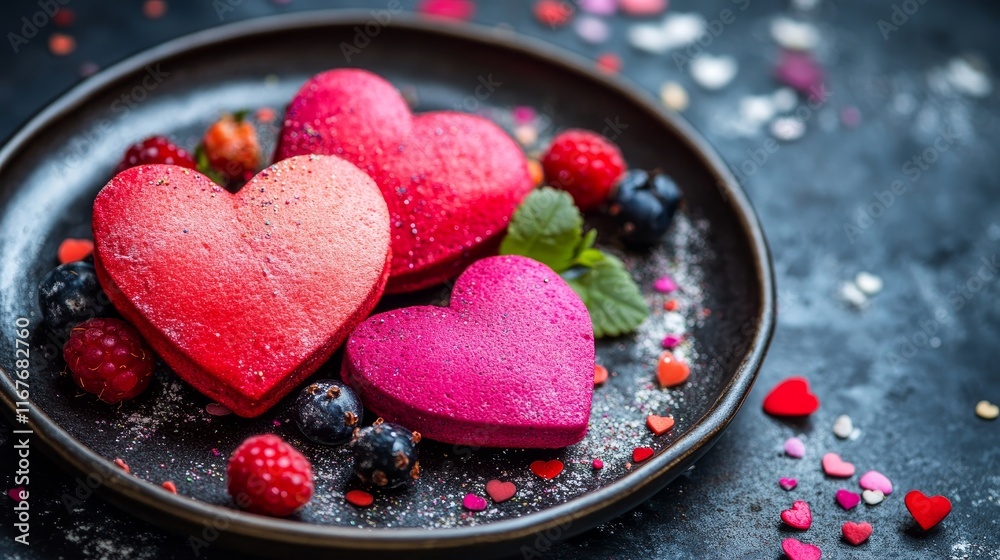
625, 493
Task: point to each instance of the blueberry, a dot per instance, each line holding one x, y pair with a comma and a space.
327, 412
644, 206
70, 294
385, 454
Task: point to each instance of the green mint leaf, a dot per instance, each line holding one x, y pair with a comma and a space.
547, 227
615, 303
589, 258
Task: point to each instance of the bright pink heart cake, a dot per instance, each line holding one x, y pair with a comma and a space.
246, 294
509, 363
451, 180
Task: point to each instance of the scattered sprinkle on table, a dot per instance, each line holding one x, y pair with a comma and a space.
547, 469
659, 425
88, 68
799, 516
359, 498
640, 454
642, 8
868, 283
848, 499
671, 371
154, 9
850, 293
598, 464
473, 502
61, 44
798, 550
874, 480
459, 10
598, 7
664, 285
122, 465
872, 497
836, 467
927, 511
801, 72
674, 96
671, 341
500, 491
791, 397
788, 129
170, 487
72, 250
843, 426
64, 17
788, 483
609, 62
795, 448
554, 13
856, 533
670, 305
713, 72
600, 375
794, 35
592, 29
987, 410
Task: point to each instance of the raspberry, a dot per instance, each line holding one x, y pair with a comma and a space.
232, 147
155, 149
267, 475
108, 358
584, 164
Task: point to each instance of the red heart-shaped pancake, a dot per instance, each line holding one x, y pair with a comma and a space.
791, 397
927, 511
246, 294
451, 180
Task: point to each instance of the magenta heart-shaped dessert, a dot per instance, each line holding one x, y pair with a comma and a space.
246, 294
509, 363
451, 180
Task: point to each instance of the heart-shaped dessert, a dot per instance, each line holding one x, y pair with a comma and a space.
856, 533
795, 549
798, 516
509, 363
451, 180
836, 467
500, 491
246, 294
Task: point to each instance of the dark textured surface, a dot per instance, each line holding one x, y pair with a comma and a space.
916, 419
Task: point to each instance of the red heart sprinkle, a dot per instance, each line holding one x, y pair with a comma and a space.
600, 375
170, 486
927, 511
659, 425
547, 469
856, 533
798, 550
500, 491
72, 250
359, 498
791, 397
799, 516
123, 465
640, 454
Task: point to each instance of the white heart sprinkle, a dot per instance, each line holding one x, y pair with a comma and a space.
675, 31
987, 410
713, 72
868, 283
842, 426
795, 35
872, 497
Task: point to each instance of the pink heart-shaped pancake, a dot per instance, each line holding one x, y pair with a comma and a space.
509, 363
798, 516
246, 294
451, 180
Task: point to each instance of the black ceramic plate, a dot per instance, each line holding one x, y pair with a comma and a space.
52, 169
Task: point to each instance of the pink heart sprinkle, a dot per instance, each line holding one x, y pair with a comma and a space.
15, 493
524, 114
665, 285
473, 502
798, 550
599, 7
672, 341
794, 448
788, 483
834, 466
798, 516
592, 29
848, 499
216, 409
642, 7
874, 480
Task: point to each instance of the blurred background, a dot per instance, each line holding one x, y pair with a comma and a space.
881, 204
